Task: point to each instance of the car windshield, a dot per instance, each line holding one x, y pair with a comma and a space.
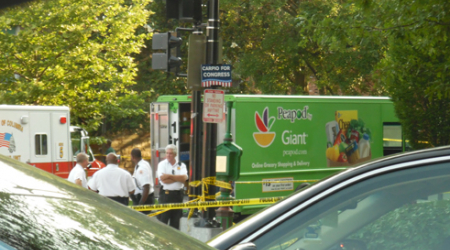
407, 209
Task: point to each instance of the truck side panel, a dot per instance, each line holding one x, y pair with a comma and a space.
14, 134
290, 141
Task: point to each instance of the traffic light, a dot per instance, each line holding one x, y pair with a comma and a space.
169, 60
184, 10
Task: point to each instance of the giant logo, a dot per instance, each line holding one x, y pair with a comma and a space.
264, 137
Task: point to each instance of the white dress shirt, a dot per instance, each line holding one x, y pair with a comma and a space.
112, 181
78, 173
165, 167
143, 176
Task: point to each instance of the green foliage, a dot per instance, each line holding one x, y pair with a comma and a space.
415, 68
276, 46
77, 54
260, 41
95, 56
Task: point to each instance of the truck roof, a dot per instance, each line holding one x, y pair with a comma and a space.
33, 108
288, 98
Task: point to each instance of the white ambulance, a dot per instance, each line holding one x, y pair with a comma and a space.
42, 137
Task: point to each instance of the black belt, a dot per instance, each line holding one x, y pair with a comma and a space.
172, 191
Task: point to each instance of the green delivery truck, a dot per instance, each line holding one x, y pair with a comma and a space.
286, 140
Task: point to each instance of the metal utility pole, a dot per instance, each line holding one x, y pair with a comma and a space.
210, 129
196, 140
196, 58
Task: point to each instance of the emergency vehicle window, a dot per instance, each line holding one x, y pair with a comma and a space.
392, 138
41, 144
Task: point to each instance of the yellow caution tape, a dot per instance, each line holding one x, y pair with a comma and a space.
206, 204
157, 213
205, 182
200, 200
211, 181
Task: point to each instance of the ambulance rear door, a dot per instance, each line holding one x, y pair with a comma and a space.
159, 133
60, 143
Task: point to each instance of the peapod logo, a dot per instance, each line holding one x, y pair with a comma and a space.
293, 114
264, 137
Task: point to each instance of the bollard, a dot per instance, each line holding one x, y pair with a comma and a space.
224, 215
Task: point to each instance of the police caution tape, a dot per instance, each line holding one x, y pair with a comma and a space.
206, 204
210, 181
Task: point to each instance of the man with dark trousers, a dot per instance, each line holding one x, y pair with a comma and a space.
112, 181
143, 178
171, 175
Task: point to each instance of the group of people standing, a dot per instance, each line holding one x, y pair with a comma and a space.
119, 185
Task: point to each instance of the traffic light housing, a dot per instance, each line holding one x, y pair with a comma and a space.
169, 60
184, 10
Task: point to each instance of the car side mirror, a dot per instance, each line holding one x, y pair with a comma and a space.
244, 246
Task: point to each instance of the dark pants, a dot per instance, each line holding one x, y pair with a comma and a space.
171, 216
121, 200
150, 201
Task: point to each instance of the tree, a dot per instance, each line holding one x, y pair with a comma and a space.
278, 46
261, 44
416, 67
73, 53
406, 53
346, 51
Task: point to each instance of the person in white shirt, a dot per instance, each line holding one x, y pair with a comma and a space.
78, 175
143, 177
172, 175
113, 182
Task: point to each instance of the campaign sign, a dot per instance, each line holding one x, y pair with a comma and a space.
216, 75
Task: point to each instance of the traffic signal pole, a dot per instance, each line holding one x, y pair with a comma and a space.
210, 129
203, 149
212, 32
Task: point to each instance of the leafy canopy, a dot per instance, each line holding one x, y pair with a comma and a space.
74, 53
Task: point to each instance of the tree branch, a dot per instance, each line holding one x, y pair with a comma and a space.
23, 76
43, 71
290, 12
311, 68
294, 4
23, 65
329, 89
289, 78
436, 22
392, 28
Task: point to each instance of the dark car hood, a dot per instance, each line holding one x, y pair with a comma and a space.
39, 210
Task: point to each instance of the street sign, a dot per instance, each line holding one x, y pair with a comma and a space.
213, 103
216, 75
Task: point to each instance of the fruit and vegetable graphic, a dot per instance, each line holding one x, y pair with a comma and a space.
348, 139
264, 137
